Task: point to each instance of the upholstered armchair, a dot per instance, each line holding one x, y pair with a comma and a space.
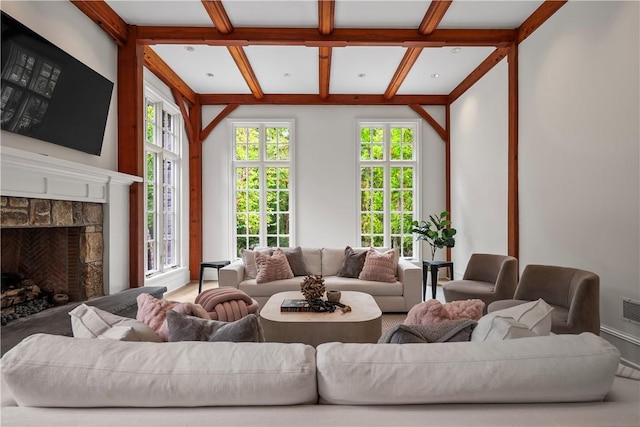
488, 277
574, 295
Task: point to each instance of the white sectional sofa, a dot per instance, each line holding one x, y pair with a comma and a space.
390, 297
551, 380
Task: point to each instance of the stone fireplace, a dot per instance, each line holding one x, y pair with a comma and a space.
84, 211
56, 244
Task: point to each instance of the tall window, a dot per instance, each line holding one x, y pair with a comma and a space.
388, 177
263, 196
163, 131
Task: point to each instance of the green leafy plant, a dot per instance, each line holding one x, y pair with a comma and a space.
437, 232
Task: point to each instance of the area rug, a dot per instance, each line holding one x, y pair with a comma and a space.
390, 320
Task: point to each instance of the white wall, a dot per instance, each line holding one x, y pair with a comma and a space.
579, 156
64, 25
325, 172
479, 145
579, 148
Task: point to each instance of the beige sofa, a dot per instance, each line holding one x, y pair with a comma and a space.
390, 297
551, 380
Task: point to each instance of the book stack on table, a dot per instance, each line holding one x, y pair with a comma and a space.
295, 306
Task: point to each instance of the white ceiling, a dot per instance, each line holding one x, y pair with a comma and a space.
295, 69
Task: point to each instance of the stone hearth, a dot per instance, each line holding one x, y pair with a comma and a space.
58, 244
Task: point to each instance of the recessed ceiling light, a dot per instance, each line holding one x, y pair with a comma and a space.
456, 49
209, 74
189, 48
362, 75
435, 75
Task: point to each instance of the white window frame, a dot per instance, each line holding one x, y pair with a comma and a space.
263, 164
177, 156
386, 164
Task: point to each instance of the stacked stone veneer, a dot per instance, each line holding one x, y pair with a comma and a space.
63, 242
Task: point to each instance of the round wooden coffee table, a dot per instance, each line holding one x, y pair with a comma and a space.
363, 324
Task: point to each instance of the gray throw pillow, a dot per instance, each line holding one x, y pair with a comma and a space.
445, 331
296, 261
352, 264
189, 328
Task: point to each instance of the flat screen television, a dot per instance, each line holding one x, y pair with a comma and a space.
49, 95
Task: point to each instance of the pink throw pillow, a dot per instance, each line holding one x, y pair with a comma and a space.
379, 266
465, 309
274, 267
153, 312
433, 311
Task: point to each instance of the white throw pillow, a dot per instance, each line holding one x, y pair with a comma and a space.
536, 315
91, 322
499, 329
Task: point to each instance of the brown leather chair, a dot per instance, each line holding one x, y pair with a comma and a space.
488, 277
574, 295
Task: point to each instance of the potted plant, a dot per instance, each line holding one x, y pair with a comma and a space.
437, 232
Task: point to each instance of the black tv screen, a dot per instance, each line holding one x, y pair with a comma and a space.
49, 95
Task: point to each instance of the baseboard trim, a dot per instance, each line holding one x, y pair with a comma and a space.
621, 335
629, 363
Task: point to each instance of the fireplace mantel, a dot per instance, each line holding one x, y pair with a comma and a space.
32, 175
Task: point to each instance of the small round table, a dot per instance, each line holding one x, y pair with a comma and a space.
211, 264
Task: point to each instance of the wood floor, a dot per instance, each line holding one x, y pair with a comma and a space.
189, 292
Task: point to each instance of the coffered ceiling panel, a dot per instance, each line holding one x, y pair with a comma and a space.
272, 13
439, 70
488, 14
195, 66
364, 70
285, 69
380, 14
170, 12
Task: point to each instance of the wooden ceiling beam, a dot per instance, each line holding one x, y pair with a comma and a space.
482, 69
538, 18
434, 15
324, 82
326, 10
410, 58
315, 99
179, 100
310, 37
157, 66
106, 18
224, 113
241, 60
430, 22
220, 19
444, 134
218, 15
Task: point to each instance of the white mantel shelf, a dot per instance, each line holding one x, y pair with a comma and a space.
27, 174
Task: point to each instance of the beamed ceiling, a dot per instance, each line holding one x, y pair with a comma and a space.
400, 52
333, 52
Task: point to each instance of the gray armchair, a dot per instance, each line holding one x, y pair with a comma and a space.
488, 277
574, 295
